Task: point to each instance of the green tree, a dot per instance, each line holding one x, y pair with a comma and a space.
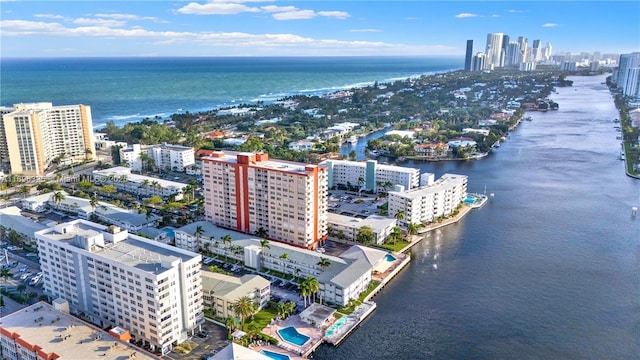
58, 197
324, 263
226, 240
230, 323
264, 244
365, 235
244, 307
284, 256
303, 288
314, 286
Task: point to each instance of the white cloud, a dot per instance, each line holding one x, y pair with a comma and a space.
232, 7
49, 16
466, 15
364, 30
495, 15
274, 8
514, 11
289, 44
550, 25
99, 22
129, 17
295, 15
336, 14
216, 7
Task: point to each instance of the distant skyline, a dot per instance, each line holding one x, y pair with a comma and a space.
308, 28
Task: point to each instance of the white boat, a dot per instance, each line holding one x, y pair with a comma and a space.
353, 140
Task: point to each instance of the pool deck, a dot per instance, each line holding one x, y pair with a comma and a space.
315, 335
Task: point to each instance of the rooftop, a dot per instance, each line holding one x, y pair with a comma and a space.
231, 287
50, 331
265, 163
445, 179
376, 222
11, 219
120, 171
134, 251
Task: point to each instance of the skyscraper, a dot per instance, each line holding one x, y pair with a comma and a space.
503, 52
247, 192
536, 51
494, 50
469, 56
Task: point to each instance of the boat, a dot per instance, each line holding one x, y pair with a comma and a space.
353, 140
528, 118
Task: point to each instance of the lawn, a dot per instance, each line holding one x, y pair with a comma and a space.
399, 245
263, 317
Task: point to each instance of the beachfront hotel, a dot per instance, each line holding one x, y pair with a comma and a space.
427, 203
112, 278
247, 192
32, 135
370, 175
44, 331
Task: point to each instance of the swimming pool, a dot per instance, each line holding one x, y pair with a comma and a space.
275, 355
389, 258
470, 200
291, 335
170, 232
336, 325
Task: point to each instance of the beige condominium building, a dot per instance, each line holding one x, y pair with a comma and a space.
247, 192
34, 134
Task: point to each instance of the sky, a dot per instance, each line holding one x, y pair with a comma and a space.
32, 29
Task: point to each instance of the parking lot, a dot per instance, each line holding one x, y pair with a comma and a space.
203, 345
349, 204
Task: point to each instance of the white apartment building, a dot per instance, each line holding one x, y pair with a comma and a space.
247, 192
369, 175
165, 156
340, 281
220, 291
345, 228
112, 278
145, 186
425, 204
34, 134
42, 331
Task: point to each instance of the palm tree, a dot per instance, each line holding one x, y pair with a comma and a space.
284, 256
199, 231
4, 274
244, 307
324, 262
399, 215
94, 202
304, 290
24, 191
226, 240
314, 285
360, 183
262, 233
58, 197
264, 243
396, 234
230, 323
412, 229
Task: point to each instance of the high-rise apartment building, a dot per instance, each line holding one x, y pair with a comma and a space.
247, 192
523, 44
494, 50
468, 59
625, 74
112, 278
503, 51
479, 61
34, 134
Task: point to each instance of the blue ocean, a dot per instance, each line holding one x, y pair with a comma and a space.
130, 89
